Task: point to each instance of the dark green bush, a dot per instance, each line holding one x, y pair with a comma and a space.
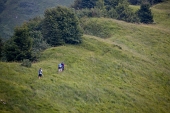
26, 63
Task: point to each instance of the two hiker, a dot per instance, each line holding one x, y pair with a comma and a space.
60, 69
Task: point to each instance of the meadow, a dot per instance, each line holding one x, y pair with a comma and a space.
122, 68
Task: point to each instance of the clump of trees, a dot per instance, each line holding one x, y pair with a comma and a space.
117, 9
139, 2
59, 26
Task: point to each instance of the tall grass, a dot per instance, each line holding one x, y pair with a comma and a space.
125, 73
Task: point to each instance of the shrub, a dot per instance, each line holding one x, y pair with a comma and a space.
26, 63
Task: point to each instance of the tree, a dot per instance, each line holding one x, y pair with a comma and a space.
125, 13
61, 26
145, 14
134, 2
112, 3
38, 43
19, 46
81, 4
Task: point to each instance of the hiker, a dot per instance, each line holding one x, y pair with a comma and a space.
40, 73
59, 67
62, 66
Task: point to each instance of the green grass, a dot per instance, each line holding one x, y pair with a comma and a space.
125, 73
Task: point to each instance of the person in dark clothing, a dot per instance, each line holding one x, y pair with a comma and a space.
62, 66
40, 73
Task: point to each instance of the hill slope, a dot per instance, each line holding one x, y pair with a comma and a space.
18, 11
128, 72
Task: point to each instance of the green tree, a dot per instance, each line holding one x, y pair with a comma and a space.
125, 13
38, 43
112, 3
19, 46
145, 14
61, 26
81, 4
134, 2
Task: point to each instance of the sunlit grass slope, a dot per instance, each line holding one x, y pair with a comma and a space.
125, 73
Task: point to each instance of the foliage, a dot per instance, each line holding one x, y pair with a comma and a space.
61, 26
26, 63
39, 44
82, 4
113, 3
134, 2
93, 12
117, 9
145, 14
138, 2
19, 46
125, 13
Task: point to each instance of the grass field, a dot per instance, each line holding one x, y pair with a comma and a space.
127, 72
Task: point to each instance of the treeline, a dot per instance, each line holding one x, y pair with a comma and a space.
138, 2
60, 25
117, 9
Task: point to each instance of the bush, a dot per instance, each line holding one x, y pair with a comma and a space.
26, 63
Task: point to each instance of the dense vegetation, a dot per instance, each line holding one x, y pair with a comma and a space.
19, 46
61, 26
117, 9
152, 2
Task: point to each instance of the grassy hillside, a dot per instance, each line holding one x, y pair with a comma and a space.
125, 73
18, 11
